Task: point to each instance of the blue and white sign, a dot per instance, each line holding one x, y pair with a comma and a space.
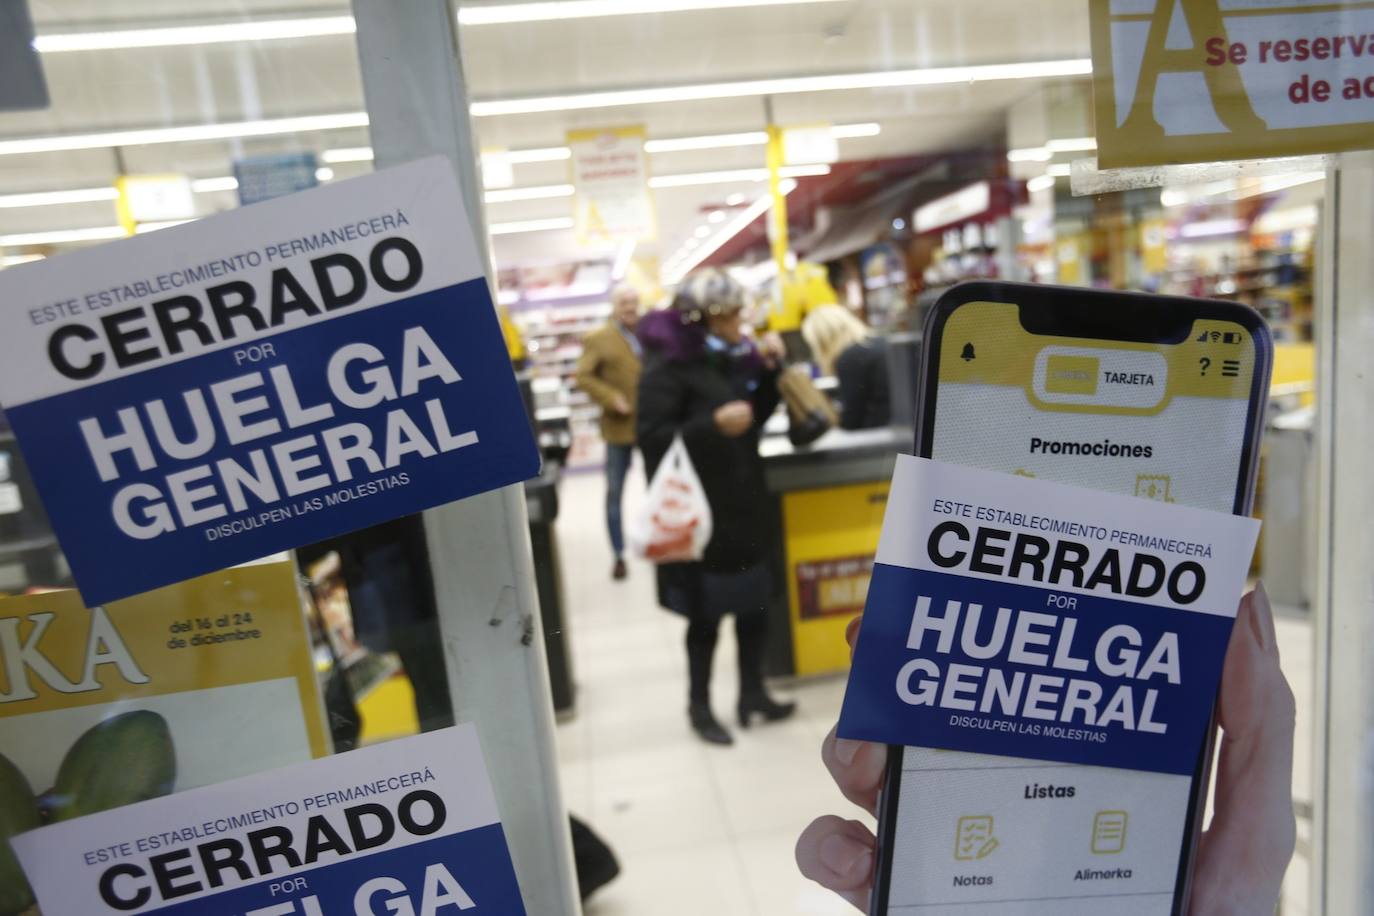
265, 378
408, 826
266, 177
1025, 618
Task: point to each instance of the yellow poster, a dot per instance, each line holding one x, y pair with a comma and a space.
181, 687
1202, 80
610, 175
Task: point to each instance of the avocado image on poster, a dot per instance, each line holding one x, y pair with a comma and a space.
125, 759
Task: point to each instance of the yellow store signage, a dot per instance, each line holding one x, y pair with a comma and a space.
1201, 80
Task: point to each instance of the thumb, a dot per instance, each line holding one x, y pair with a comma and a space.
1252, 834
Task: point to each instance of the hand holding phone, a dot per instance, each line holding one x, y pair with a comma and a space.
1241, 858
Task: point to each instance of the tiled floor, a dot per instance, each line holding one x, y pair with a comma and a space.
706, 831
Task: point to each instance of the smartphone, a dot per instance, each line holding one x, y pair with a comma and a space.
1156, 396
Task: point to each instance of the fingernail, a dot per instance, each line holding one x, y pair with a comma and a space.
1262, 618
846, 856
846, 749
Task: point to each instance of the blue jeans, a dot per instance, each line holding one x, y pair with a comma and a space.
617, 466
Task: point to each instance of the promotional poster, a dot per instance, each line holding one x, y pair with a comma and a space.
267, 377
409, 826
1023, 618
185, 686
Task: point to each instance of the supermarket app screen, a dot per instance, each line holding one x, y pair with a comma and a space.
1010, 837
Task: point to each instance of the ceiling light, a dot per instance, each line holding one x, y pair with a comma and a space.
749, 138
530, 225
324, 173
731, 176
1071, 145
898, 224
347, 154
702, 231
1172, 197
498, 13
728, 231
716, 216
1040, 183
1031, 154
537, 192
546, 154
691, 243
214, 33
853, 131
14, 260
881, 79
734, 200
50, 198
144, 228
715, 141
1059, 170
153, 135
210, 185
60, 236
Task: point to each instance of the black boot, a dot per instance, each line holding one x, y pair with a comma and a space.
758, 701
705, 725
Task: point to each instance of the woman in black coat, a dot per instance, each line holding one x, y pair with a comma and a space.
703, 379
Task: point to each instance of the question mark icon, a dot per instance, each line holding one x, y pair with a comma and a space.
1204, 363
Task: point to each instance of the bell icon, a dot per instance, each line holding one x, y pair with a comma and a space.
967, 355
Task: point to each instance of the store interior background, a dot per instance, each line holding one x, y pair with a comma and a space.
924, 185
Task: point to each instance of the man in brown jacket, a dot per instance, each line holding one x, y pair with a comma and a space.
609, 372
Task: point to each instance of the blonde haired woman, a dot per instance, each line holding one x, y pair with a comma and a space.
845, 348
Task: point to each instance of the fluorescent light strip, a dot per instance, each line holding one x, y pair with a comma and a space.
530, 225
1071, 145
60, 236
933, 76
1030, 154
50, 198
732, 176
536, 192
713, 141
14, 260
213, 33
501, 13
684, 265
322, 26
1059, 170
1040, 183
669, 145
192, 133
347, 154
210, 185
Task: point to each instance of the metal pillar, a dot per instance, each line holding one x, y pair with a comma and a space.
1343, 753
479, 547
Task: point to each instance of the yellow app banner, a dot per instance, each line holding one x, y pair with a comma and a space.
984, 343
1201, 80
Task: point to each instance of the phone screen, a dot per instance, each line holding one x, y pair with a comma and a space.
997, 835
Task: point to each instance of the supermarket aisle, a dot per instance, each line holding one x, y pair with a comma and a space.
705, 830
698, 829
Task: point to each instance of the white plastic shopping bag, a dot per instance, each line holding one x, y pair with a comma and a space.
674, 524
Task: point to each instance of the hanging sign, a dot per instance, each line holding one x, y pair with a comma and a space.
1200, 80
265, 177
409, 826
268, 377
611, 177
1025, 618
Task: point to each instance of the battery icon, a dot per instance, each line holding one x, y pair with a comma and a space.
1230, 337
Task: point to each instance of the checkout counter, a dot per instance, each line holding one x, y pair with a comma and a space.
830, 497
